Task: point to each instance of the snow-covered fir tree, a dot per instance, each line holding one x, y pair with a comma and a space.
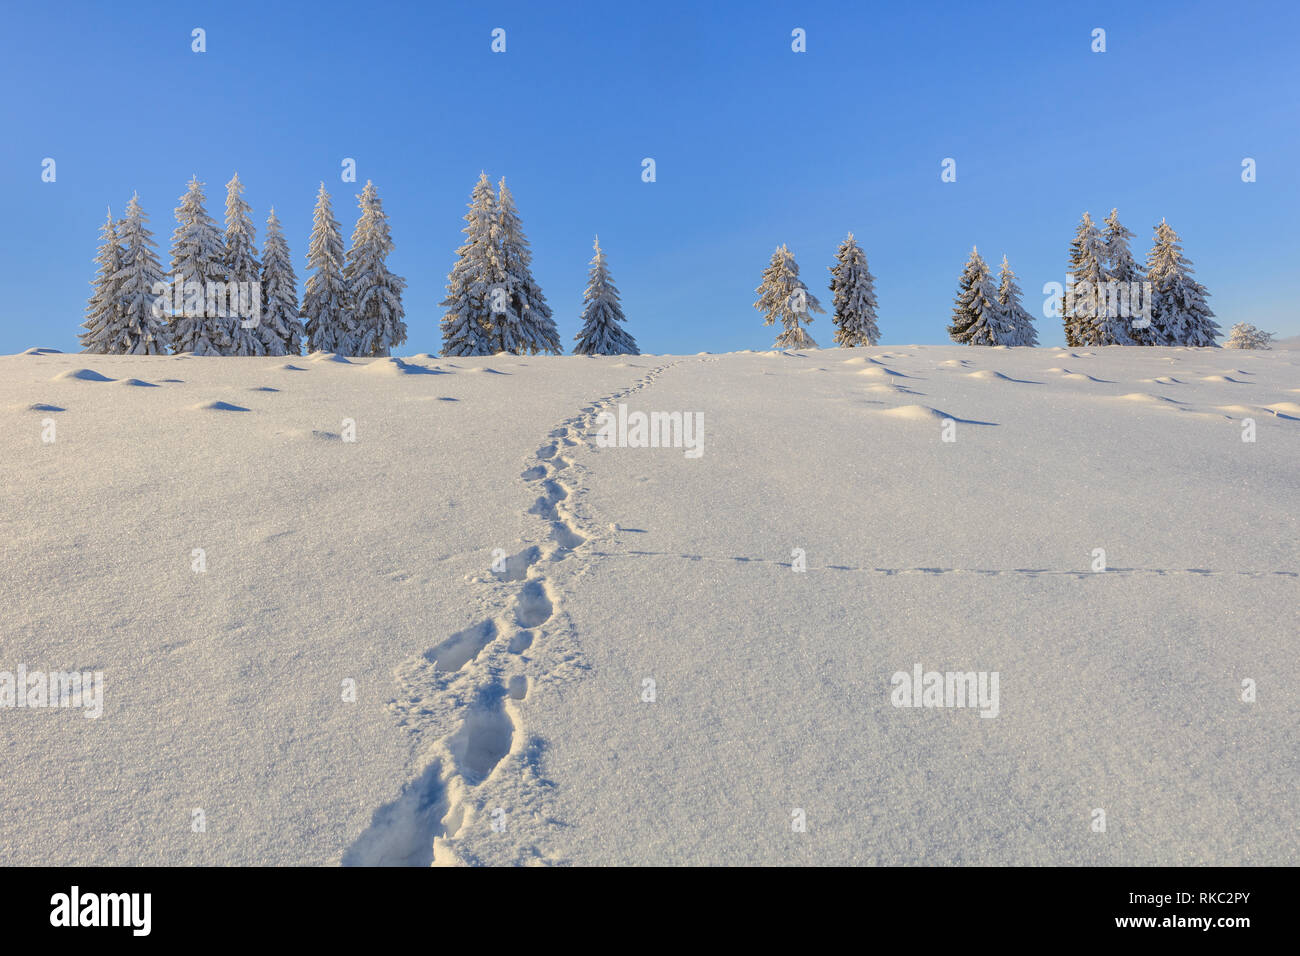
1243, 335
1179, 313
143, 328
783, 296
243, 273
602, 330
325, 307
198, 257
854, 289
374, 293
526, 325
1084, 312
1017, 323
976, 316
281, 328
467, 323
103, 323
1124, 270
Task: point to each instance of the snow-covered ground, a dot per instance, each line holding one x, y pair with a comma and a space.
504, 717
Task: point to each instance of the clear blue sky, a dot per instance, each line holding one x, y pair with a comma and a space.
755, 145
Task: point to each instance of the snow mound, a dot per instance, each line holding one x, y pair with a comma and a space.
917, 413
1285, 410
880, 372
290, 367
44, 407
862, 360
218, 406
328, 357
1164, 380
136, 383
1223, 378
1147, 397
989, 374
37, 350
81, 375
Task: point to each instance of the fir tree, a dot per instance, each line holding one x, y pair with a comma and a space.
602, 330
467, 323
243, 273
374, 292
1243, 335
325, 307
1017, 323
142, 328
198, 258
526, 324
1123, 269
103, 323
854, 289
976, 316
783, 295
280, 329
1085, 319
1179, 313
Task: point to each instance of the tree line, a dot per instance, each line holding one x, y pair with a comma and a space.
222, 300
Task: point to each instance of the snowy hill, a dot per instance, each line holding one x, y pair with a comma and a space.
414, 611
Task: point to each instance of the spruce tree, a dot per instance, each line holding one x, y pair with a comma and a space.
374, 292
198, 257
143, 327
1085, 320
526, 324
976, 316
1017, 324
325, 306
103, 323
243, 273
1123, 269
602, 330
467, 323
783, 295
1179, 313
854, 290
1243, 335
280, 329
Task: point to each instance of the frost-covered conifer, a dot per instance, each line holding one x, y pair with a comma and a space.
198, 258
243, 273
142, 328
325, 307
103, 323
854, 289
602, 330
374, 293
1084, 312
1179, 313
782, 295
1243, 335
1123, 270
1018, 325
526, 324
467, 323
976, 316
280, 329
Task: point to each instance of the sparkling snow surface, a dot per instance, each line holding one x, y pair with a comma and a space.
499, 715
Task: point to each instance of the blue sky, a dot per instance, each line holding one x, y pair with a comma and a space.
755, 145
